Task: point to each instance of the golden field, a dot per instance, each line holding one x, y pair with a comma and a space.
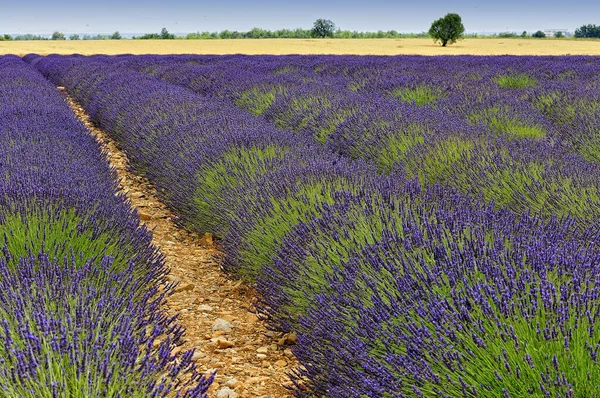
479, 46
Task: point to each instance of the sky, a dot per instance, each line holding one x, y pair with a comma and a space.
184, 16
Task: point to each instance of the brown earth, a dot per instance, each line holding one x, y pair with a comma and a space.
250, 360
475, 46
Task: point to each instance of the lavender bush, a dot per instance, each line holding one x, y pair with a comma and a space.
400, 111
474, 314
81, 287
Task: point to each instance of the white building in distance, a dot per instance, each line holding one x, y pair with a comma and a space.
552, 32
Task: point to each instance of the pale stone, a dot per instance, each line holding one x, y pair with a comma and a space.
223, 325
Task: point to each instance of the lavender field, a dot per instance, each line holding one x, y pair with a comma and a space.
427, 226
81, 286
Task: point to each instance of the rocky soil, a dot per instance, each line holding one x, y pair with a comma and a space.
216, 312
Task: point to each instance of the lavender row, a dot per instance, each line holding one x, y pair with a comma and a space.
81, 286
395, 290
520, 131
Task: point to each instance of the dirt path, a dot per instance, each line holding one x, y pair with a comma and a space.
215, 311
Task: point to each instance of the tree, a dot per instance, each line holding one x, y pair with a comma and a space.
588, 31
323, 28
58, 36
164, 34
559, 34
74, 36
447, 30
539, 34
115, 36
524, 34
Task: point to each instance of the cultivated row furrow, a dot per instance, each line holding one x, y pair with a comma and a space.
81, 285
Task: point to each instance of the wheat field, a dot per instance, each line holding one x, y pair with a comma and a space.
479, 46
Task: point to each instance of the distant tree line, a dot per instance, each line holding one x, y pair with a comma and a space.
322, 28
164, 35
255, 33
114, 36
60, 36
258, 33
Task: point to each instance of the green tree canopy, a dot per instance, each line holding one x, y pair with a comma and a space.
323, 28
115, 36
58, 36
591, 31
539, 34
447, 30
164, 34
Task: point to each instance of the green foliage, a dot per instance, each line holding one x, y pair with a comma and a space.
299, 33
397, 146
363, 224
235, 166
209, 35
58, 36
71, 241
257, 33
300, 110
524, 34
564, 112
74, 37
588, 31
515, 81
116, 36
503, 124
420, 95
97, 37
148, 36
323, 28
559, 34
447, 30
256, 100
331, 122
259, 245
56, 367
502, 366
539, 34
5, 37
63, 232
507, 35
440, 160
163, 35
29, 36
